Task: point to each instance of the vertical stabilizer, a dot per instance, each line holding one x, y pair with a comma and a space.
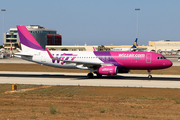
135, 43
28, 42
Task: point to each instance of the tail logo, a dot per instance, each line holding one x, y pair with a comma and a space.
27, 39
135, 44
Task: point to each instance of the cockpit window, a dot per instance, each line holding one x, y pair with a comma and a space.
161, 58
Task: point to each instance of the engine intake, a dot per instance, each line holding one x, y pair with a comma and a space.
107, 70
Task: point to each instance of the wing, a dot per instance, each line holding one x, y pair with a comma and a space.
80, 64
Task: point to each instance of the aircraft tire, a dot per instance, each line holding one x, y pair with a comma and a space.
150, 76
99, 75
90, 75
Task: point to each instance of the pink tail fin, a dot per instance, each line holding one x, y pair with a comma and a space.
27, 39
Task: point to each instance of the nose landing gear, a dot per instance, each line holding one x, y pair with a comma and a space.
149, 74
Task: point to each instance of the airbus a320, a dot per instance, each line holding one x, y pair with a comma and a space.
98, 62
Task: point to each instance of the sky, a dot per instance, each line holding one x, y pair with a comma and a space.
97, 22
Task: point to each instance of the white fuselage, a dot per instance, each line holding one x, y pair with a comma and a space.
42, 57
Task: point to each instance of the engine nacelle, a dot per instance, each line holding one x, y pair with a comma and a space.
107, 70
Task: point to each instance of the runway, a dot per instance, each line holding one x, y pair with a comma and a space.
80, 79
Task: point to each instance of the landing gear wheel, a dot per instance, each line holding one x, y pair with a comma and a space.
90, 75
99, 75
150, 76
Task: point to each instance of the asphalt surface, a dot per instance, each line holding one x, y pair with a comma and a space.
121, 80
80, 79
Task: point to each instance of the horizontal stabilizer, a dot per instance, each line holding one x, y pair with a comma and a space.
23, 54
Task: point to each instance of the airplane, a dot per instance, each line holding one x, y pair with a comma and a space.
2, 50
98, 62
133, 48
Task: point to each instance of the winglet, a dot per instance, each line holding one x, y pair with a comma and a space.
50, 55
94, 49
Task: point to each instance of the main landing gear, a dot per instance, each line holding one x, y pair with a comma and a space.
91, 75
99, 75
149, 76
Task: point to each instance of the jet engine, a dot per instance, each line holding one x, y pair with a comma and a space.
107, 70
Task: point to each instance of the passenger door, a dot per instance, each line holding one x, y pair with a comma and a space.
148, 58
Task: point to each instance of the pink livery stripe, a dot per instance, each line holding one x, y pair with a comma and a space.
27, 39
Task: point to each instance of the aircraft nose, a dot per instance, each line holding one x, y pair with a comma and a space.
168, 63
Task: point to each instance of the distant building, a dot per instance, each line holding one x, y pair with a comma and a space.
164, 47
43, 35
72, 48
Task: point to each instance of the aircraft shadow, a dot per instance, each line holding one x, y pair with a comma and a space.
143, 78
38, 76
84, 77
